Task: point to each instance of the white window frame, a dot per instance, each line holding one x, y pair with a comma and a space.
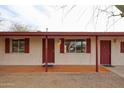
18, 46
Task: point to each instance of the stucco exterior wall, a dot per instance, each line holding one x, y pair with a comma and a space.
75, 58
32, 58
117, 58
35, 55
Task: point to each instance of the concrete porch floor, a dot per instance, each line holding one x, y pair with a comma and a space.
55, 68
117, 69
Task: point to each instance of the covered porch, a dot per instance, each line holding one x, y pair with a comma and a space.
58, 67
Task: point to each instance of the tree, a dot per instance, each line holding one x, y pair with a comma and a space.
20, 27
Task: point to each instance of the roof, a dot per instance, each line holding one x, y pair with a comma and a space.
62, 33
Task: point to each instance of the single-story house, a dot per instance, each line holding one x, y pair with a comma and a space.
62, 48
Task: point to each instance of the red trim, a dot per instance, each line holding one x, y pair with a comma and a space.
97, 69
62, 45
26, 45
121, 47
46, 56
43, 50
88, 48
62, 33
7, 45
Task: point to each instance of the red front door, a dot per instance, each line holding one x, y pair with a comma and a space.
105, 52
50, 50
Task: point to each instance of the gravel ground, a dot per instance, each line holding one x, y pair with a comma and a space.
61, 80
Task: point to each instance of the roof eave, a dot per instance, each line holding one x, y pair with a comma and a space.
62, 33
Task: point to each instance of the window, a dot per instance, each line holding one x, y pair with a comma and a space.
18, 45
75, 46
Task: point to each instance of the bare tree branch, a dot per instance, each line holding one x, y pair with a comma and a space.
20, 28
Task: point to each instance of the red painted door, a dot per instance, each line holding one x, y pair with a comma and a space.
105, 52
50, 50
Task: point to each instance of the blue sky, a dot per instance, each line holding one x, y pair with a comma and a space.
25, 14
63, 17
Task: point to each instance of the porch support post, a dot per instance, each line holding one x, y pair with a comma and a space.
46, 52
97, 68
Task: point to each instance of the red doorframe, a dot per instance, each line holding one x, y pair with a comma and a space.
48, 51
105, 52
97, 68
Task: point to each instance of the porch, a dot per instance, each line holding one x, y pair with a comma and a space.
55, 68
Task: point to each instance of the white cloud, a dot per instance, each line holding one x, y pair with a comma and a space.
66, 18
61, 2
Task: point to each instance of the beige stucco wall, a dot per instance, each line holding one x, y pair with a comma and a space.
75, 58
32, 58
35, 55
117, 58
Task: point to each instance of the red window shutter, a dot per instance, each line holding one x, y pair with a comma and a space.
26, 45
122, 47
7, 45
88, 45
62, 45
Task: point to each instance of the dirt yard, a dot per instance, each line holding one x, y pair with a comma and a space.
61, 80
